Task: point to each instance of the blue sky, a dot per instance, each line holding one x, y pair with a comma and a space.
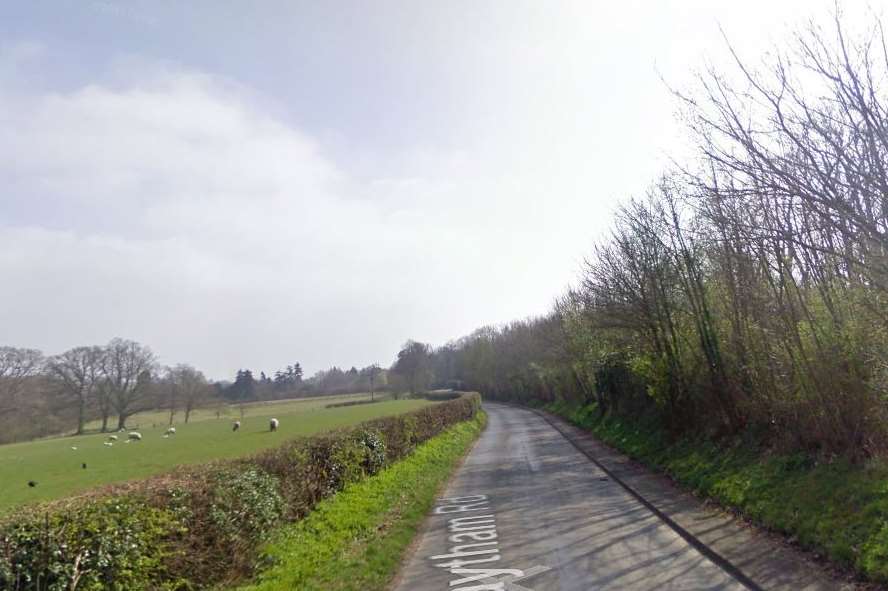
247, 184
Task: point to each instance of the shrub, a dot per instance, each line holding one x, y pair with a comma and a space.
113, 543
374, 451
244, 504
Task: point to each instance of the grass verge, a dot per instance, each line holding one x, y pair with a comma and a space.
356, 539
834, 508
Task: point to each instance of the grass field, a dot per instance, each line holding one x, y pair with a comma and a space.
233, 411
56, 466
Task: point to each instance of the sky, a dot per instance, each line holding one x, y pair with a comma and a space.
251, 184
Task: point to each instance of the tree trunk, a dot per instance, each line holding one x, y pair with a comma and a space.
121, 421
81, 416
187, 414
104, 422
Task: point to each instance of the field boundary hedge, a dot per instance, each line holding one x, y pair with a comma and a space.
200, 526
357, 539
356, 402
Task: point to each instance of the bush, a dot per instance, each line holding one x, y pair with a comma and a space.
245, 505
374, 451
113, 543
201, 525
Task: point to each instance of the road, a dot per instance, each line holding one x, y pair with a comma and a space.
528, 512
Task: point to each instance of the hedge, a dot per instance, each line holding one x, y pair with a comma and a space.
441, 395
200, 526
356, 402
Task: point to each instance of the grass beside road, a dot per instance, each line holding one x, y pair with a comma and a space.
835, 508
57, 468
356, 539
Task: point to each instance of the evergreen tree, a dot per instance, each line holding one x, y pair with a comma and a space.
244, 386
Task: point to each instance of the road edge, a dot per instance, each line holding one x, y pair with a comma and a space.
713, 556
413, 547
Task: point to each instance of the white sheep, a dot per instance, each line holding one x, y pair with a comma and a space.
235, 426
108, 443
112, 438
171, 431
134, 436
273, 424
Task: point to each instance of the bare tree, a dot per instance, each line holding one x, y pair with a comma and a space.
188, 388
169, 393
17, 365
104, 396
79, 372
127, 367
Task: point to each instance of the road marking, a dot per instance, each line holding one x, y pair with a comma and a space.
476, 542
511, 583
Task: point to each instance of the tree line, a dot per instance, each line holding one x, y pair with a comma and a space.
40, 394
289, 383
44, 395
747, 289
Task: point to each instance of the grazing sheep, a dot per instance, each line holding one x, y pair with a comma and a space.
135, 436
32, 483
171, 431
273, 425
108, 444
112, 438
235, 426
74, 448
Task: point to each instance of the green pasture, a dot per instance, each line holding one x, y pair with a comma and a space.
57, 469
234, 411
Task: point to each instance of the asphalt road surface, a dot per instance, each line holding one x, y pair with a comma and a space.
528, 512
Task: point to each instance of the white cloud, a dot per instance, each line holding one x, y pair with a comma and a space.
171, 211
153, 201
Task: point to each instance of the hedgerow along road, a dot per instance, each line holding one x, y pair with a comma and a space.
528, 511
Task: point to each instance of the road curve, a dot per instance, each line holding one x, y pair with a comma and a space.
528, 512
